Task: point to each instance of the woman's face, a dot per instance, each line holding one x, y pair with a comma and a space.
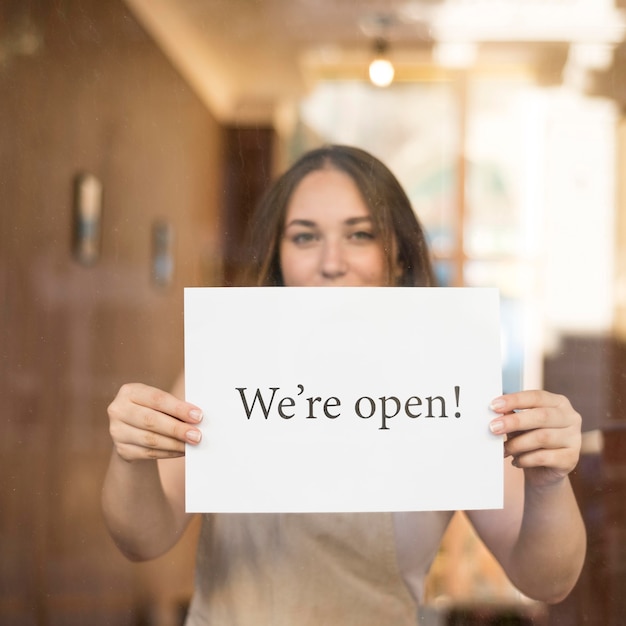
329, 237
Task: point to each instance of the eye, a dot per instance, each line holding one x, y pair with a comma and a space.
363, 235
301, 239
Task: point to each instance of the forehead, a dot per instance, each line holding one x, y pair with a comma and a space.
324, 191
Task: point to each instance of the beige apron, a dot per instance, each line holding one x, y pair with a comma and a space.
301, 569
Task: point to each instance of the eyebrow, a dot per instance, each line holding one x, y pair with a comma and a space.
351, 221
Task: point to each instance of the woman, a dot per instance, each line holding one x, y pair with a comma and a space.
338, 217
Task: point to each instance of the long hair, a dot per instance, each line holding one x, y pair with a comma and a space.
390, 209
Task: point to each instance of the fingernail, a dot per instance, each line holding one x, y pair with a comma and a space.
496, 427
196, 415
497, 404
194, 436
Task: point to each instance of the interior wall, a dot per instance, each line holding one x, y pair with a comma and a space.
82, 88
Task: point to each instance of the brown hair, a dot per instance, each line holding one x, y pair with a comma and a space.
387, 202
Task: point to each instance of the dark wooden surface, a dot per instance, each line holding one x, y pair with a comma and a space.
96, 95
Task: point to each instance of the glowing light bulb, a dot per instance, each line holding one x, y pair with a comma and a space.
381, 72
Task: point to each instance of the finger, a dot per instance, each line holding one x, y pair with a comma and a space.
527, 420
536, 418
157, 441
527, 400
154, 398
141, 444
561, 461
132, 452
546, 438
151, 424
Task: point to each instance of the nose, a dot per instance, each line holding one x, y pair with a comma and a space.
333, 262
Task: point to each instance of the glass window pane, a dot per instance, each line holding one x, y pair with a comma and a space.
412, 127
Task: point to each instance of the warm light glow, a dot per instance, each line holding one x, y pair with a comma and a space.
381, 72
455, 55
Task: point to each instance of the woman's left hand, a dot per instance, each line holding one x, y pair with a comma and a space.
543, 434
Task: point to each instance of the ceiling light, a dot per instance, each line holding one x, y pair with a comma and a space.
381, 69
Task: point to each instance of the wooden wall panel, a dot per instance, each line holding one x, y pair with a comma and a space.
590, 371
249, 157
93, 93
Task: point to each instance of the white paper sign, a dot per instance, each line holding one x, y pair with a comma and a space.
343, 399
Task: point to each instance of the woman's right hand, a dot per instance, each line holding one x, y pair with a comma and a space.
148, 423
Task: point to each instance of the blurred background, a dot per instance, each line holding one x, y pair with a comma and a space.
137, 135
